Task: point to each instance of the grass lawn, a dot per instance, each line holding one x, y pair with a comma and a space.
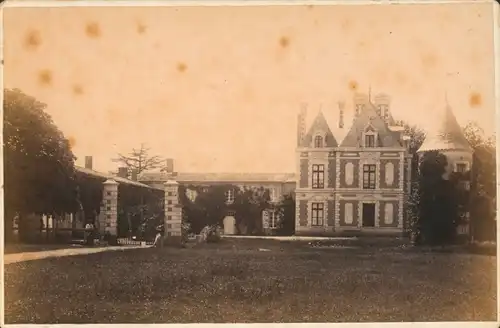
233, 281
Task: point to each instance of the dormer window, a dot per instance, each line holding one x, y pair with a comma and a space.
318, 142
370, 137
461, 167
369, 140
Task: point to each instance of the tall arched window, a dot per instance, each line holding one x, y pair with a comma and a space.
318, 142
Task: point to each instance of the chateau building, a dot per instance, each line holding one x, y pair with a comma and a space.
353, 179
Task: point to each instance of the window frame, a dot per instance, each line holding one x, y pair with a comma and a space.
369, 171
229, 196
372, 137
318, 176
317, 214
319, 141
272, 220
465, 166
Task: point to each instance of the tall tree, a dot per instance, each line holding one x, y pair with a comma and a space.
248, 206
140, 160
438, 206
483, 183
38, 162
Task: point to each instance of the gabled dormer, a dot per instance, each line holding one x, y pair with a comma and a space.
369, 128
319, 135
370, 137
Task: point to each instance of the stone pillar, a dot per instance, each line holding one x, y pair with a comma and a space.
173, 213
110, 206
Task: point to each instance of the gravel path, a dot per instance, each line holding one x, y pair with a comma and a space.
30, 256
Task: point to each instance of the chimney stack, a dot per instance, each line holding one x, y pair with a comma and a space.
301, 124
169, 165
88, 162
134, 175
341, 114
123, 172
360, 102
382, 103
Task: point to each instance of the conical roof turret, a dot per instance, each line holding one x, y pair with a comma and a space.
447, 134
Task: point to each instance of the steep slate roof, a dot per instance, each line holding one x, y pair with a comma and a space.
369, 116
320, 124
447, 135
221, 177
330, 115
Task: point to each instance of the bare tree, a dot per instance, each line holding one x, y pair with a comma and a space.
139, 160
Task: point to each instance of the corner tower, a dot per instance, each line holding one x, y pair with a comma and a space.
448, 138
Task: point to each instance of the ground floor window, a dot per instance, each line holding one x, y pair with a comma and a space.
273, 222
317, 214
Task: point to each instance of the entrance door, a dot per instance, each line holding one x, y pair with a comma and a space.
368, 215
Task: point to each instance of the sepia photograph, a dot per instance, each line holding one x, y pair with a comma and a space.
237, 162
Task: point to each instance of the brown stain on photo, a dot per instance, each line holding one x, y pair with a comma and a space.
353, 85
475, 99
77, 89
284, 42
181, 67
33, 40
141, 28
45, 77
93, 30
429, 60
363, 45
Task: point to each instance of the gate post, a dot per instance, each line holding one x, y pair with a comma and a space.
173, 214
110, 200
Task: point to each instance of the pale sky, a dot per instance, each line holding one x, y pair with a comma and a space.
219, 88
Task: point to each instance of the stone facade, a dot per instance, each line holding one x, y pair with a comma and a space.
356, 179
173, 213
110, 206
356, 185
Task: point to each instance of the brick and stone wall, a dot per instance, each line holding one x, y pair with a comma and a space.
303, 213
342, 213
332, 170
394, 216
389, 173
351, 169
304, 173
331, 213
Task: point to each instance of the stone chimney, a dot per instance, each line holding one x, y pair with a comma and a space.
88, 162
341, 114
360, 100
123, 172
169, 165
301, 124
382, 105
134, 175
